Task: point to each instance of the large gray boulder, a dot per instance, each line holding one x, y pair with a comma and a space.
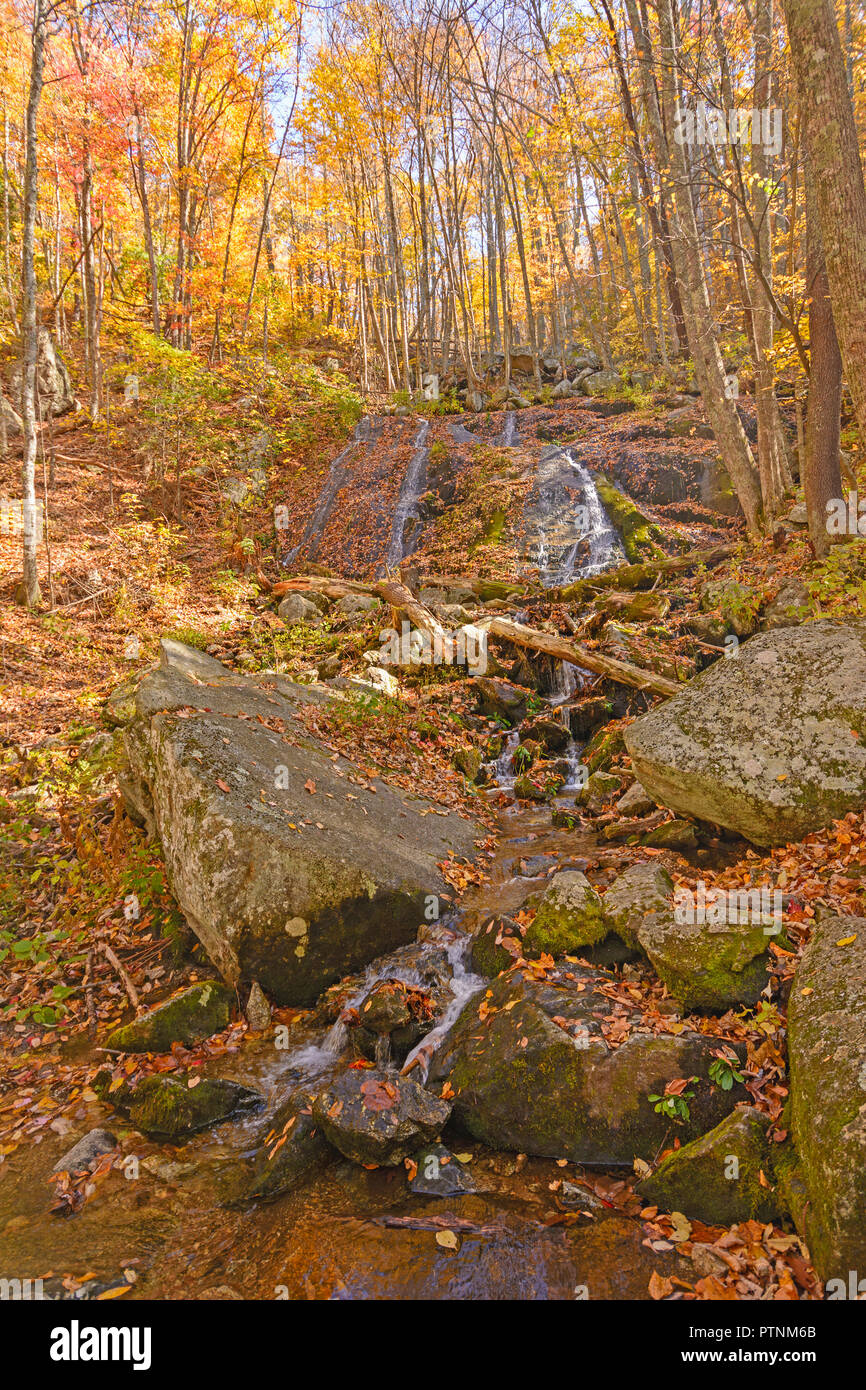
288, 872
827, 1074
770, 744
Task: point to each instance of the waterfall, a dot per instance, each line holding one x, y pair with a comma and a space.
413, 486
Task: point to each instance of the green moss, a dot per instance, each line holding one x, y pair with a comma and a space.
639, 534
199, 1012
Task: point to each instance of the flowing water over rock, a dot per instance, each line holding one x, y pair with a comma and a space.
567, 534
407, 503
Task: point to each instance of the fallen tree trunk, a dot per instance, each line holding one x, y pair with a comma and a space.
563, 650
395, 593
634, 576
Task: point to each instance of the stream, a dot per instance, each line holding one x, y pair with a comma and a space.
351, 1233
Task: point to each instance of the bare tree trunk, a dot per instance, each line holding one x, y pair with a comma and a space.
30, 328
822, 479
835, 169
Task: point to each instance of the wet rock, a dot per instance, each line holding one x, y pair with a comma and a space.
440, 1174
827, 1075
717, 1179
197, 1013
770, 745
538, 786
501, 697
495, 946
291, 1148
550, 733
378, 1117
84, 1155
527, 1083
600, 788
295, 909
570, 916
296, 608
167, 1107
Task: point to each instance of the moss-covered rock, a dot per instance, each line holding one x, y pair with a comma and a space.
168, 1107
378, 1117
601, 750
537, 787
721, 1178
570, 916
707, 967
468, 760
600, 788
640, 535
531, 1071
197, 1013
827, 1075
673, 834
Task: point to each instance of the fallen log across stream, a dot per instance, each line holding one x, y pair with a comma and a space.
402, 599
589, 660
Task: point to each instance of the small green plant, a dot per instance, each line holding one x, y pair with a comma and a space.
522, 759
723, 1073
674, 1103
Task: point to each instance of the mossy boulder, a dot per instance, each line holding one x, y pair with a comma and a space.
169, 1107
501, 698
827, 1075
771, 745
531, 1071
468, 761
707, 967
721, 1178
673, 834
551, 734
603, 747
538, 787
188, 1018
600, 788
570, 916
378, 1117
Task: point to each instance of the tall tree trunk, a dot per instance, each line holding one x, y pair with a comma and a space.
835, 169
697, 308
30, 329
822, 480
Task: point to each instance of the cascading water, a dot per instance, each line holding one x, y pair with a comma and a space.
463, 984
407, 502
